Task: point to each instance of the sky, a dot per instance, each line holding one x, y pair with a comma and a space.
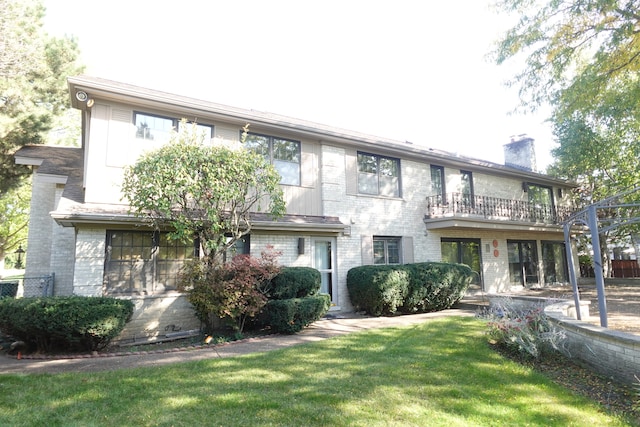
404, 69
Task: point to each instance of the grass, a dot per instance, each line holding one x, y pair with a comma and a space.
438, 373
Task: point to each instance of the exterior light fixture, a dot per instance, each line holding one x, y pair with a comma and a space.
20, 251
81, 96
90, 102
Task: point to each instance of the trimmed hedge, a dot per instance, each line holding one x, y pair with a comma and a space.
378, 289
64, 323
294, 300
410, 288
295, 282
289, 316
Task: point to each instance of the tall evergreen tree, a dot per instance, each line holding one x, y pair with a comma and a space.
33, 90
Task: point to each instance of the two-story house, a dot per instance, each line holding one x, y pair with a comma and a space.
352, 199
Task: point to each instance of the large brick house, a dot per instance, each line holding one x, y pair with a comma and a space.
352, 199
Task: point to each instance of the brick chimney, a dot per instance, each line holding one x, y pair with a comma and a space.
520, 153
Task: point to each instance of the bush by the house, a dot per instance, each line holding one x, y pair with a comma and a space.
295, 282
410, 288
378, 289
70, 323
293, 314
236, 290
435, 286
294, 301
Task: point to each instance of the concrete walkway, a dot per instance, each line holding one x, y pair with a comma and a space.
320, 330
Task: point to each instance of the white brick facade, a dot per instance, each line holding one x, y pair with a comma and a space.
326, 205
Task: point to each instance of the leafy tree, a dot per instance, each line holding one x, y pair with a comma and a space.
204, 191
33, 90
577, 51
582, 57
14, 218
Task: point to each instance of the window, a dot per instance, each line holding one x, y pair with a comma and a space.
158, 128
386, 250
523, 262
204, 131
437, 183
284, 154
466, 187
378, 175
463, 251
152, 127
143, 263
554, 263
540, 201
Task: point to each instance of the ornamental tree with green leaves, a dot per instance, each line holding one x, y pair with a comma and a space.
204, 191
577, 53
582, 58
33, 88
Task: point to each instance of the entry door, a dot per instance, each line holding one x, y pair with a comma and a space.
324, 253
523, 262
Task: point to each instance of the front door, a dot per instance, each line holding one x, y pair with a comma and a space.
323, 255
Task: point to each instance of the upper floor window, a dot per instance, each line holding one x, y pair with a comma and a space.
378, 175
158, 128
466, 187
539, 194
204, 131
152, 127
386, 250
283, 153
437, 182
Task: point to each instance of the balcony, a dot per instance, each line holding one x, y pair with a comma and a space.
458, 205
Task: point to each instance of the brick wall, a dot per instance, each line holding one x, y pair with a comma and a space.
155, 316
611, 353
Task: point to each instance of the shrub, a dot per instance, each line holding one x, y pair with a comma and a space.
64, 323
236, 290
410, 288
295, 282
377, 289
291, 315
522, 329
435, 286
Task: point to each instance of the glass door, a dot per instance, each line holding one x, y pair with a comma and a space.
523, 262
323, 256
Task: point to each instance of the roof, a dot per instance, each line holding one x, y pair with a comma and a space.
122, 92
62, 165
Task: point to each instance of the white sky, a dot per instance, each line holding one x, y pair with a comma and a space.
403, 69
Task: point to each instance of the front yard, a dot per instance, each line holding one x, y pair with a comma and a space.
441, 372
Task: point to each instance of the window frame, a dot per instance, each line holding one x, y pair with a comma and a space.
174, 125
440, 193
271, 153
385, 240
151, 262
378, 174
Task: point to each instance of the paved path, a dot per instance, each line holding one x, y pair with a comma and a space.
322, 329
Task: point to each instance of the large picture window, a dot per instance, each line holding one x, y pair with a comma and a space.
143, 262
284, 154
378, 175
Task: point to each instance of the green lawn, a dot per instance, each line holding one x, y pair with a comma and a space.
440, 373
